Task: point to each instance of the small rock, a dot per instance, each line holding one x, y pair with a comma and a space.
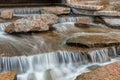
7, 14
56, 10
83, 23
8, 76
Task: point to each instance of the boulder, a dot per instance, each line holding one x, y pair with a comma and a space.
8, 76
85, 22
92, 41
55, 10
108, 72
32, 23
7, 14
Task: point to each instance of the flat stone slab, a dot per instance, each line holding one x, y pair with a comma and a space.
108, 72
107, 13
92, 41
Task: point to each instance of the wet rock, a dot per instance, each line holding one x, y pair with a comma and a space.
82, 12
92, 41
87, 7
7, 14
55, 10
84, 23
109, 72
32, 23
93, 67
112, 22
8, 76
107, 13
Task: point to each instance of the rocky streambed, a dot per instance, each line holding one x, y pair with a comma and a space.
56, 45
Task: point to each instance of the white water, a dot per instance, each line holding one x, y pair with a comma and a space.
57, 65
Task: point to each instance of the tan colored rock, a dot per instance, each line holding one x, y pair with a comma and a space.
56, 10
32, 23
8, 76
109, 72
83, 23
7, 14
92, 41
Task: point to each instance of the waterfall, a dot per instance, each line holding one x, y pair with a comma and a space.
72, 19
3, 26
25, 10
55, 65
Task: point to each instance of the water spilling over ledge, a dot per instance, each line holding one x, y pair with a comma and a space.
51, 63
46, 56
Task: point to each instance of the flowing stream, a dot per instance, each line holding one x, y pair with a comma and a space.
42, 56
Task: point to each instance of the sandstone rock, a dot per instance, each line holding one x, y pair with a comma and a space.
83, 23
56, 10
8, 76
109, 72
87, 7
32, 23
92, 41
7, 14
107, 13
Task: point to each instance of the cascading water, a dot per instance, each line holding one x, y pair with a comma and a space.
57, 65
46, 57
